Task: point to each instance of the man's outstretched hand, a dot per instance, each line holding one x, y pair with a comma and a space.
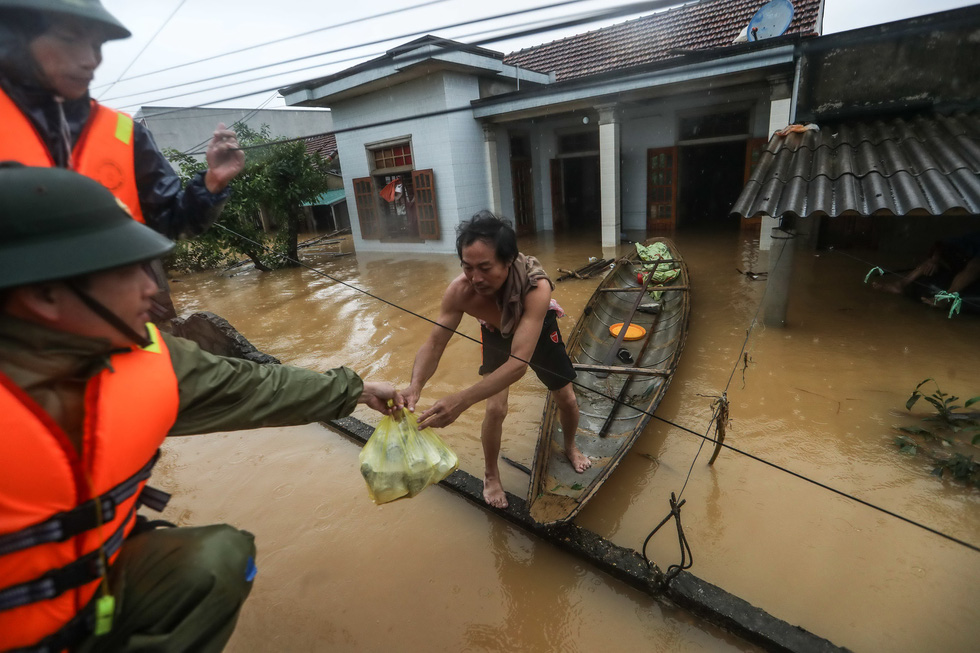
443, 413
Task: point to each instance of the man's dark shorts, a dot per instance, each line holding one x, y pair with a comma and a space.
550, 361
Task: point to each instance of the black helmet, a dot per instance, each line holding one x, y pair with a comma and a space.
88, 9
58, 224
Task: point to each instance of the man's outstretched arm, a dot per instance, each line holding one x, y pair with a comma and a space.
525, 339
430, 353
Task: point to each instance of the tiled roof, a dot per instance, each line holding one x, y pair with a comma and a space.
700, 26
325, 144
925, 165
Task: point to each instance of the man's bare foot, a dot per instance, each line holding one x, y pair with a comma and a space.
580, 462
894, 286
493, 492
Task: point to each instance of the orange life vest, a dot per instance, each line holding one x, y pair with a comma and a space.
104, 150
129, 408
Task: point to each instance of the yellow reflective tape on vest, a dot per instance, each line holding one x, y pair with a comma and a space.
154, 334
124, 128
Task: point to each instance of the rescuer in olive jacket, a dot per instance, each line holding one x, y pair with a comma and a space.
88, 392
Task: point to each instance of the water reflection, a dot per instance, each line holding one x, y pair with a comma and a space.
526, 600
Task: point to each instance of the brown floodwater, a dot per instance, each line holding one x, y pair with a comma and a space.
819, 397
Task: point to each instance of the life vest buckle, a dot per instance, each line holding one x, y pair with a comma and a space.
74, 522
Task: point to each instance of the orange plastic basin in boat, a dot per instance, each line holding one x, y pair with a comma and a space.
633, 332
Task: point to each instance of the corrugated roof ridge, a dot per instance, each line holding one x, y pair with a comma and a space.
934, 173
813, 141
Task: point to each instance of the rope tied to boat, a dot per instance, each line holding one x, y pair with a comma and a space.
957, 301
687, 556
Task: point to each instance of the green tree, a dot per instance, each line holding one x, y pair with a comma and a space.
278, 179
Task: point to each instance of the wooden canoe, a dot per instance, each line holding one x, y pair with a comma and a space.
609, 384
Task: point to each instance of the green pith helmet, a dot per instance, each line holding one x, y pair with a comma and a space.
88, 9
57, 224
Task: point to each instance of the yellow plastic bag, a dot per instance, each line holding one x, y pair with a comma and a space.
399, 460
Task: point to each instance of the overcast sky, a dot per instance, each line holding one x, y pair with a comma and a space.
168, 33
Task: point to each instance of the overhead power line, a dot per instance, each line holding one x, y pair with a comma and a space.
147, 44
364, 44
281, 40
541, 26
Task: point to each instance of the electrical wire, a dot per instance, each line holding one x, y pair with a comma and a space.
365, 44
543, 26
243, 120
146, 45
724, 394
614, 399
327, 28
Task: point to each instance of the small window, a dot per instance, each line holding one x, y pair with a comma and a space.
397, 202
397, 156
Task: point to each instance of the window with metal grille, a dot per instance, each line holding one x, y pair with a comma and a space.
396, 156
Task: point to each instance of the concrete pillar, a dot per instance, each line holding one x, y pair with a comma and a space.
493, 170
780, 272
778, 114
609, 183
780, 103
769, 224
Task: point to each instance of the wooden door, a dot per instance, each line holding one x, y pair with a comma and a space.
523, 186
559, 218
368, 212
661, 188
424, 184
754, 147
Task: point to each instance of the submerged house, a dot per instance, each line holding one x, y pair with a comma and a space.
650, 124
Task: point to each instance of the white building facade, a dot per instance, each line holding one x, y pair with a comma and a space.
434, 131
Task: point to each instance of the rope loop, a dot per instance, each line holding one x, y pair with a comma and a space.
687, 557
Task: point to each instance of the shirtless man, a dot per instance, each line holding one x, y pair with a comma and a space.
502, 289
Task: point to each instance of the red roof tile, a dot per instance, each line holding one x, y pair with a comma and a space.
325, 144
705, 25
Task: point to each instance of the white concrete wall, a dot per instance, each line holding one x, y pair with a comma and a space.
653, 125
642, 130
451, 145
